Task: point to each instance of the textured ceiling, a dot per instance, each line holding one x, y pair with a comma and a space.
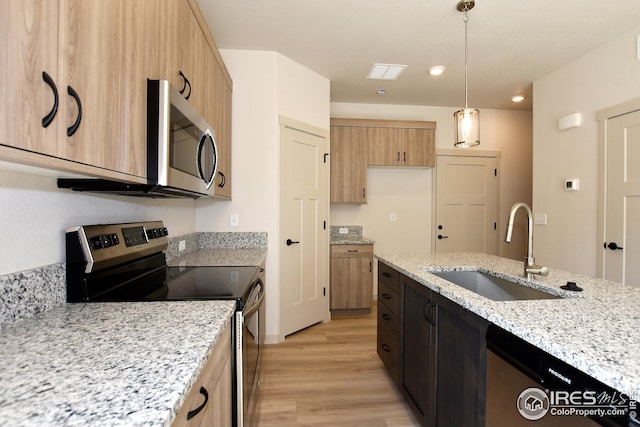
511, 42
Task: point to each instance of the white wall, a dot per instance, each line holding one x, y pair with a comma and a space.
605, 77
408, 192
34, 215
265, 86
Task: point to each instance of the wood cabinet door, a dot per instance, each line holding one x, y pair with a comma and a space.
91, 46
223, 137
29, 47
351, 283
418, 147
384, 146
418, 350
348, 165
461, 366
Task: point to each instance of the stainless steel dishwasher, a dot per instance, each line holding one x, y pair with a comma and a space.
528, 387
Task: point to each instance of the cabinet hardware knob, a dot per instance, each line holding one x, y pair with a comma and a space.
386, 348
385, 316
385, 274
191, 414
386, 296
74, 127
223, 181
46, 120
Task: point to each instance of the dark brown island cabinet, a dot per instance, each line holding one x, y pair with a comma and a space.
434, 349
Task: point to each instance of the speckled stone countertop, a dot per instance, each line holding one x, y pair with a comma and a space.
221, 257
351, 241
596, 330
106, 364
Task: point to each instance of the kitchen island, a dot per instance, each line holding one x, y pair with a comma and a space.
106, 364
595, 330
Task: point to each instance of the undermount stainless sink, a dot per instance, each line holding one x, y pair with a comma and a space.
492, 287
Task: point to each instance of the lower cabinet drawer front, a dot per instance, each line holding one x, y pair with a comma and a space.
389, 352
388, 319
389, 276
389, 297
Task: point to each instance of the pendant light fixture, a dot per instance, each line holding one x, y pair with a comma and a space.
467, 120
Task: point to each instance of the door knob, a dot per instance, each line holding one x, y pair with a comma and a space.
440, 237
613, 246
290, 242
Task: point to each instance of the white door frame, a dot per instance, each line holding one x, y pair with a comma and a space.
287, 122
603, 117
461, 152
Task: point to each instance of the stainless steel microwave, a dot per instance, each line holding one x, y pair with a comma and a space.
181, 146
182, 156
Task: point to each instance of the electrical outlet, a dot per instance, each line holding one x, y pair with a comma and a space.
343, 230
540, 219
392, 217
182, 245
234, 220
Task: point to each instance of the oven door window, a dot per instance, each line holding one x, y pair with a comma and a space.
192, 150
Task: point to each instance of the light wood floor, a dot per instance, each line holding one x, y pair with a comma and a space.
330, 375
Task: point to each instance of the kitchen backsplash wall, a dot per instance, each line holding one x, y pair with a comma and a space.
27, 293
353, 232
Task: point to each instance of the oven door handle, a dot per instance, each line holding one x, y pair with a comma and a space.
258, 303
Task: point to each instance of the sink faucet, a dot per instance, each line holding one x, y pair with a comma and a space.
530, 267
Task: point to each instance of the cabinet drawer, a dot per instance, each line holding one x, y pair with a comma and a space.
389, 297
345, 251
389, 276
388, 319
389, 352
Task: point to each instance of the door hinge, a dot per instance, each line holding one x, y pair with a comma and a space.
325, 157
324, 292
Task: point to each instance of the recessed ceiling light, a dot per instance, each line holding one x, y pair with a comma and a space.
386, 71
437, 70
517, 98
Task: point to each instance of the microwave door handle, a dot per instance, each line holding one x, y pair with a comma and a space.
207, 180
249, 311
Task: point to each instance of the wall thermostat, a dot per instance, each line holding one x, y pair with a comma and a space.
572, 184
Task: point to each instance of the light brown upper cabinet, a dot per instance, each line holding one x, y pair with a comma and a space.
401, 143
74, 78
348, 164
63, 73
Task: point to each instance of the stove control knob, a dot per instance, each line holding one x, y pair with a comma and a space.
96, 242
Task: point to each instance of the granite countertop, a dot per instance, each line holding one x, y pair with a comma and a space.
350, 241
106, 364
596, 331
221, 257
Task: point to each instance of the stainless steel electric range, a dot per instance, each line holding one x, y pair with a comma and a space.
126, 262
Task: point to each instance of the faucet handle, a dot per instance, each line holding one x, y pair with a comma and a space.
536, 269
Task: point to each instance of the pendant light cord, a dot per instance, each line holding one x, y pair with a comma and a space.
466, 57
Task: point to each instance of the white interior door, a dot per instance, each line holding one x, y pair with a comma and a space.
466, 204
304, 235
622, 200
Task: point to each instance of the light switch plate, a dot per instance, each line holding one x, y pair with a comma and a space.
182, 245
343, 230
